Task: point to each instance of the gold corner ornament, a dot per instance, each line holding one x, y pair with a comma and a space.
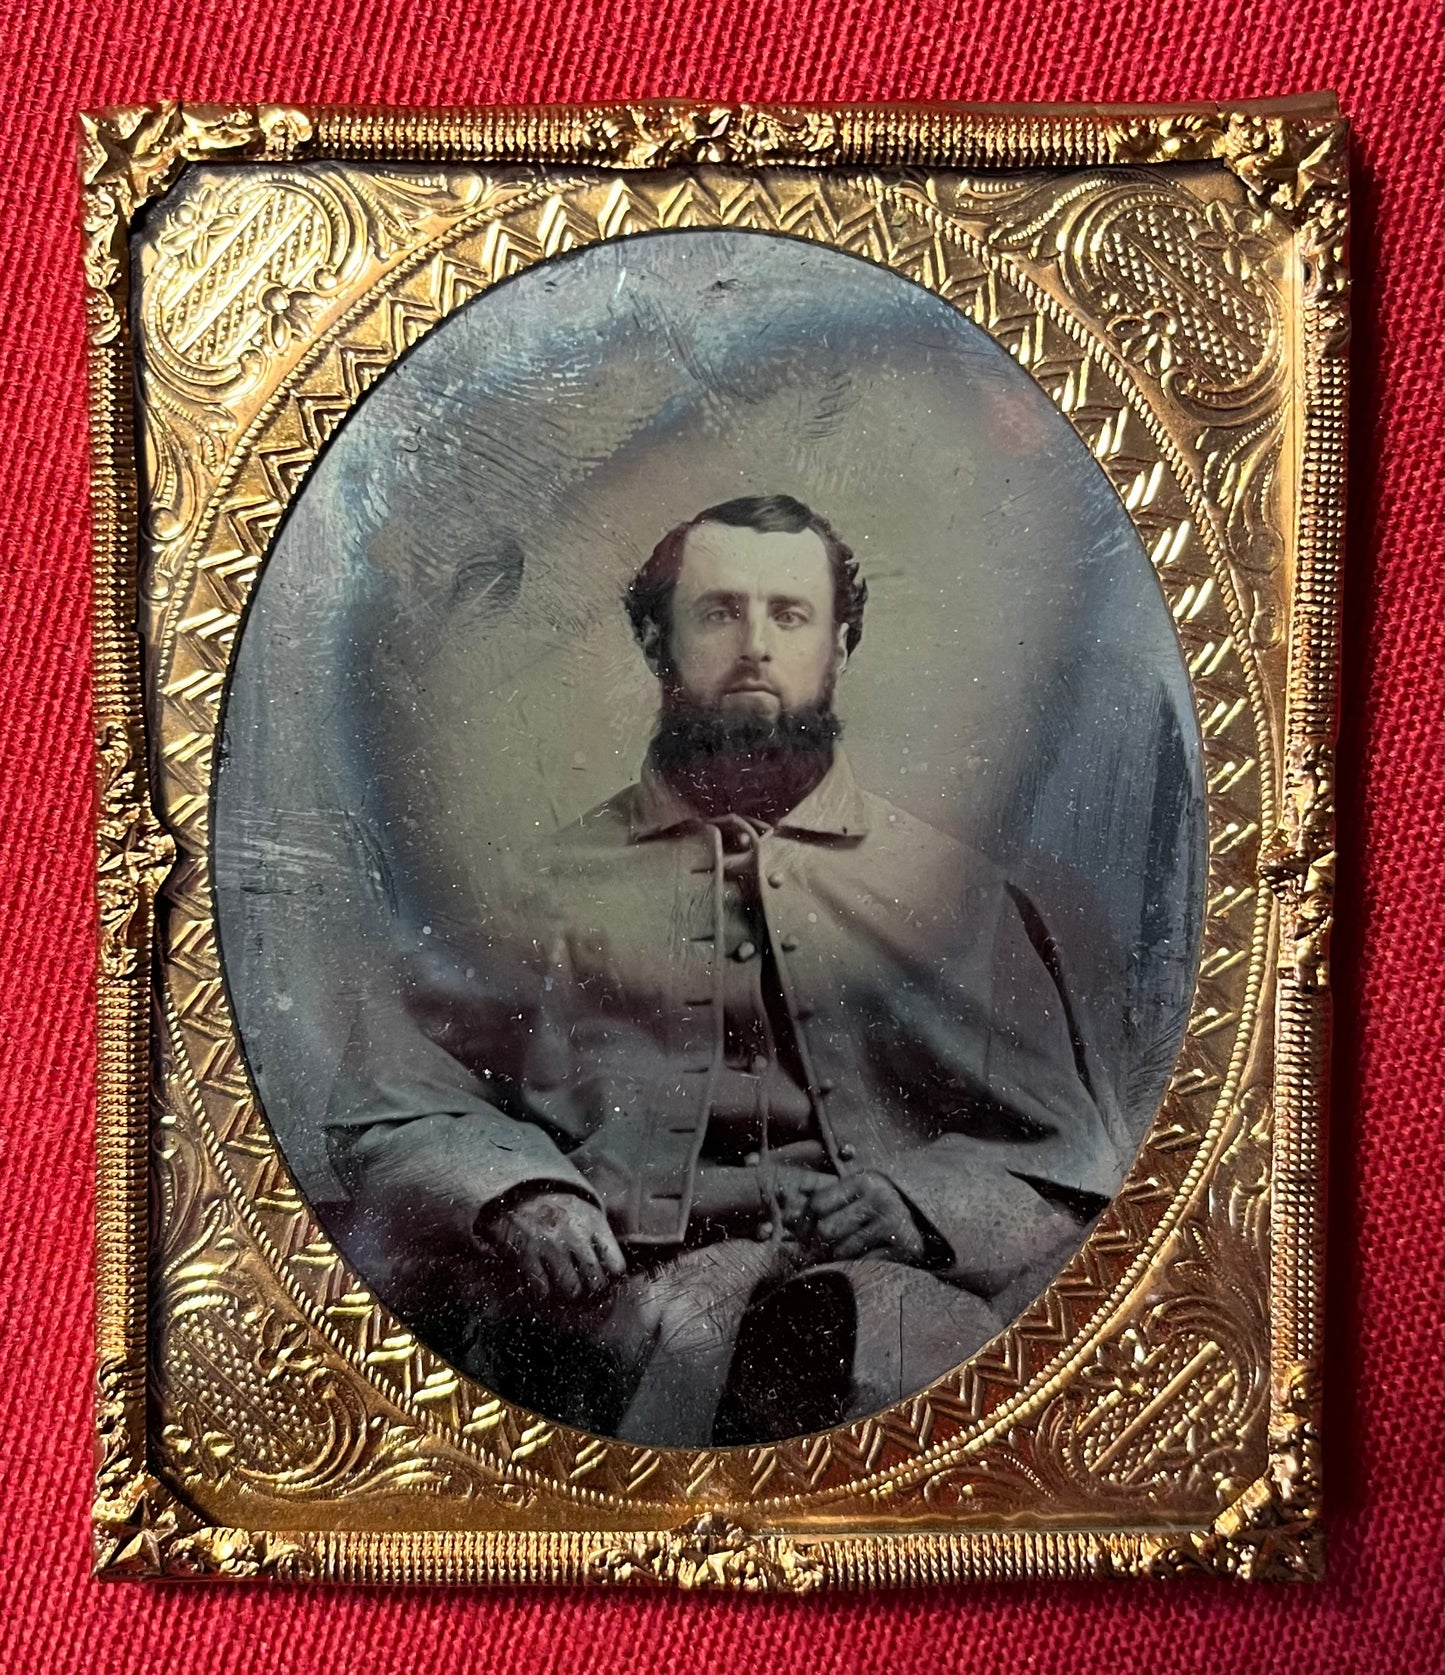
1272, 1532
1295, 165
148, 1540
1291, 161
142, 1530
133, 153
712, 1551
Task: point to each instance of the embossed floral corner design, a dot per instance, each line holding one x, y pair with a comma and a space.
133, 153
1295, 166
140, 1529
1272, 1532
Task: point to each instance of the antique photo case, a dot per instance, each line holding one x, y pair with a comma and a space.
716, 732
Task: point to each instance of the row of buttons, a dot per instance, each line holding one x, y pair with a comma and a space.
748, 950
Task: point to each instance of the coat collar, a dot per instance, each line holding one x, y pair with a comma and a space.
834, 808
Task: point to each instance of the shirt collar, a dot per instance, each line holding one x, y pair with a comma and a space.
834, 808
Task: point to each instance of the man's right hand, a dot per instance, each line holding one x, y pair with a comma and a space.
792, 1174
562, 1245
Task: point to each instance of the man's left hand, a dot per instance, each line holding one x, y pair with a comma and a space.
865, 1212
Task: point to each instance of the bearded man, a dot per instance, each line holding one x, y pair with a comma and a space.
767, 1103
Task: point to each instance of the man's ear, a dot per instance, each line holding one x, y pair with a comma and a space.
842, 644
652, 645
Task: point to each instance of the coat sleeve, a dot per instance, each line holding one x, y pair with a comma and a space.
1018, 1099
424, 1126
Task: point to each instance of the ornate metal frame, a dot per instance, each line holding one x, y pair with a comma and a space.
1175, 279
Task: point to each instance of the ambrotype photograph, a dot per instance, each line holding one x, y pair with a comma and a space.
708, 839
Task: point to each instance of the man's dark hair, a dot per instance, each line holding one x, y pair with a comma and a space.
649, 598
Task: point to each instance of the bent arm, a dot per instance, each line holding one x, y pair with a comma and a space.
1026, 1149
998, 1232
419, 1143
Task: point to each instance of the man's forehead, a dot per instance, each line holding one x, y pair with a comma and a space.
720, 558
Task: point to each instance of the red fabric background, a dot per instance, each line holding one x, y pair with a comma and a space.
1380, 1609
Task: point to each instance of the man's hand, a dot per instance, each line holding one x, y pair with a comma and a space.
855, 1214
561, 1242
791, 1174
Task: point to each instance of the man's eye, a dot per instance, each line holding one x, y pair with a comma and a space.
718, 613
789, 618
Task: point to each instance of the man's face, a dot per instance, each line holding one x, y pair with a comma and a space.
752, 622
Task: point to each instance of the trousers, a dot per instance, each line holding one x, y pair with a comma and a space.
677, 1319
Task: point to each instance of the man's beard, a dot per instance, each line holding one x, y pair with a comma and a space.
743, 764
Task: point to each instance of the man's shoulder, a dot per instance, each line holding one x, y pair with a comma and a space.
896, 835
601, 834
609, 821
1052, 899
907, 870
575, 871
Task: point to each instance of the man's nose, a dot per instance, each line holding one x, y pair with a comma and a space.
757, 640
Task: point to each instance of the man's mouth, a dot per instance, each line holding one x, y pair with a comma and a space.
752, 686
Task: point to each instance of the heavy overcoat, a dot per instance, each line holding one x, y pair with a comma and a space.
949, 1038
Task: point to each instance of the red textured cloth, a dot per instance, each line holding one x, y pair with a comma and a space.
1380, 1609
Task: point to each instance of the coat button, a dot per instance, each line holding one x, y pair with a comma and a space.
789, 944
753, 1159
775, 880
746, 950
764, 1232
824, 1089
847, 1153
758, 1063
